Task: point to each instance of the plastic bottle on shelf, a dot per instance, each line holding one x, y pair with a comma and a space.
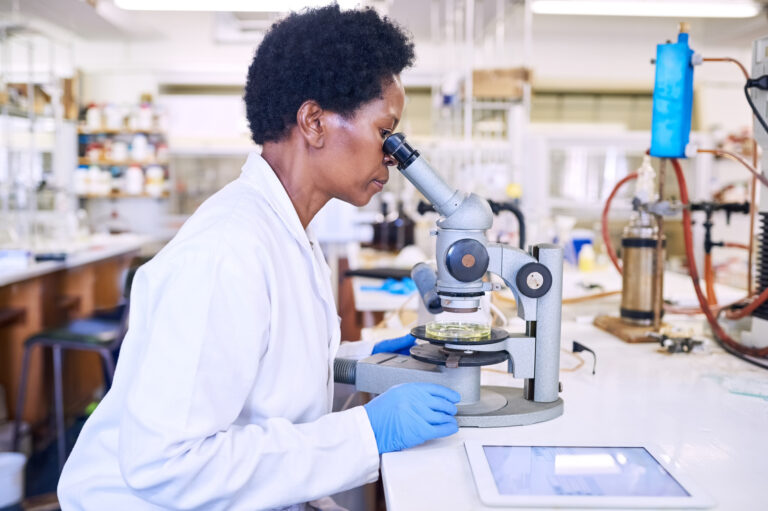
113, 119
93, 117
161, 152
117, 183
119, 151
134, 181
139, 146
145, 117
104, 186
151, 157
155, 180
93, 151
80, 181
92, 182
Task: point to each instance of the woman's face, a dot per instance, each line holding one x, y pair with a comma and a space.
355, 166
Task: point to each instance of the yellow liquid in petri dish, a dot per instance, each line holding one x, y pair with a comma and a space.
458, 331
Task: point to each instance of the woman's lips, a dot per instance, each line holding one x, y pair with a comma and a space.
379, 183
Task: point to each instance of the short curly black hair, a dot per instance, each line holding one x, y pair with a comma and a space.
341, 59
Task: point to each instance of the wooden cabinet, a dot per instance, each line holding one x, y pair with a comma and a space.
48, 301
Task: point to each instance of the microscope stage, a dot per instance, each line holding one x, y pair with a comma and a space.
438, 355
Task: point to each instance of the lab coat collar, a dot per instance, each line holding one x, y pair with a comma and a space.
258, 174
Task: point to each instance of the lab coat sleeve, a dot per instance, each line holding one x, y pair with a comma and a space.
180, 443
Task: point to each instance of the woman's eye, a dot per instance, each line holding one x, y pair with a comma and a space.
384, 133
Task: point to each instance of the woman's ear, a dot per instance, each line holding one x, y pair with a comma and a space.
311, 123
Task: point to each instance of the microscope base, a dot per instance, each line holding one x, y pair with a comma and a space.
505, 406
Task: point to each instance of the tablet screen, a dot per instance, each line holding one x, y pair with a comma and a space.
584, 471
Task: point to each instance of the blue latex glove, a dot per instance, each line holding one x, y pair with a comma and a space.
401, 345
412, 413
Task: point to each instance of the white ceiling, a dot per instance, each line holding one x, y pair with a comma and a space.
110, 22
75, 16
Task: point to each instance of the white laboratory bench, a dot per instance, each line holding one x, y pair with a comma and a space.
44, 295
707, 411
97, 249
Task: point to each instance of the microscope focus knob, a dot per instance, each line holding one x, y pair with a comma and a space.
534, 280
467, 260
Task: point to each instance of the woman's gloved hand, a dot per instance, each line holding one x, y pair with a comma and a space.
401, 345
412, 413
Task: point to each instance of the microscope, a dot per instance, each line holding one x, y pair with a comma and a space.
463, 257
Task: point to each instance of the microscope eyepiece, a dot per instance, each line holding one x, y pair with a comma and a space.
396, 146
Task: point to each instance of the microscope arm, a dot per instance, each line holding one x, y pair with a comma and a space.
506, 262
537, 282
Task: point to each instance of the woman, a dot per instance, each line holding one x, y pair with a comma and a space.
222, 395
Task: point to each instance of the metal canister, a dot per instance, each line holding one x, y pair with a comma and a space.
638, 244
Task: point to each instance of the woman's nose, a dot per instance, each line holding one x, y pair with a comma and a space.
389, 161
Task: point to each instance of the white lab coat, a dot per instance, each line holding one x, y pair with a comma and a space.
222, 393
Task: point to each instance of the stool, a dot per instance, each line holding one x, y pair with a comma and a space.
102, 333
92, 334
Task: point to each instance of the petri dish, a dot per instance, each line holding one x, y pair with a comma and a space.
458, 330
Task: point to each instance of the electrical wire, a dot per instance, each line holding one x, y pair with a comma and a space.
749, 309
586, 298
752, 106
736, 353
719, 334
604, 221
575, 368
753, 190
579, 347
735, 157
762, 297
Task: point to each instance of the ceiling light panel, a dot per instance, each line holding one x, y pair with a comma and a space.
648, 8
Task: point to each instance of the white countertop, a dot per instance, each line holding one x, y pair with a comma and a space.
99, 248
707, 411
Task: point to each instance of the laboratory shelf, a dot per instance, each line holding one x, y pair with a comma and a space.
120, 163
105, 131
125, 196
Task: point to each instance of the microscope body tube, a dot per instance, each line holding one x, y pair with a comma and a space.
445, 199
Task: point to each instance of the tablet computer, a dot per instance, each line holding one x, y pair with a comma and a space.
560, 476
